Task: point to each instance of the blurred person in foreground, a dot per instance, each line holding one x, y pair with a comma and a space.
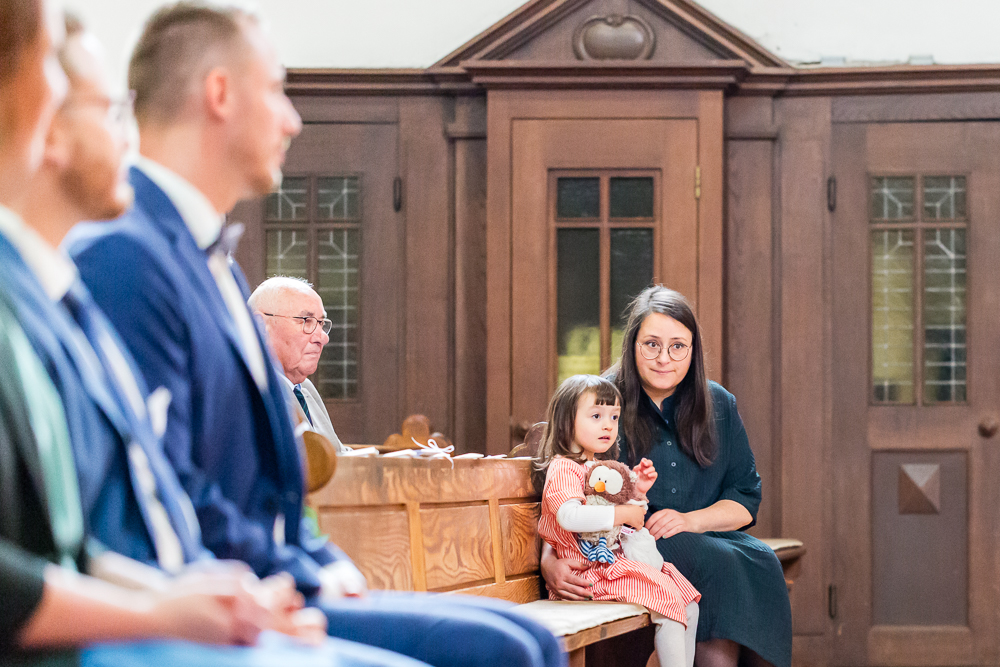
47, 606
297, 330
214, 124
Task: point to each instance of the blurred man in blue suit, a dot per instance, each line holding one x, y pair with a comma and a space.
214, 125
47, 607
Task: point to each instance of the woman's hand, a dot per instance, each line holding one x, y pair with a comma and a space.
667, 523
647, 475
561, 576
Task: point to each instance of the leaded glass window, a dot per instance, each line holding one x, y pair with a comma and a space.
604, 234
313, 231
918, 278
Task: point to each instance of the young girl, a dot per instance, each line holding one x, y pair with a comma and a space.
582, 420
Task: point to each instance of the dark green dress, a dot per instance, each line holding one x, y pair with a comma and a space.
744, 597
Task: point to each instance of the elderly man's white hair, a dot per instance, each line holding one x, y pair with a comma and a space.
269, 293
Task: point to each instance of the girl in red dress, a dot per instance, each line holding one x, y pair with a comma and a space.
582, 421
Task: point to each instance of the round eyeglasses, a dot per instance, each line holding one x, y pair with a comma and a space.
652, 349
308, 323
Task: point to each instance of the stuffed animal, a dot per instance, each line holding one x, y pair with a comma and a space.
612, 483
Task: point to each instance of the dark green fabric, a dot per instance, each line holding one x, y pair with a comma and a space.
30, 406
744, 597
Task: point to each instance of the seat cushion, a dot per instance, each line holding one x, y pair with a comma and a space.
568, 618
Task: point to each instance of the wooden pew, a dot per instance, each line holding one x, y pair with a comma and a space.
465, 526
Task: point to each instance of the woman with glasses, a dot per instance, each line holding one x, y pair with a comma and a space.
708, 489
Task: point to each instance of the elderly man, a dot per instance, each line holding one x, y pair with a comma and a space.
47, 606
214, 124
297, 329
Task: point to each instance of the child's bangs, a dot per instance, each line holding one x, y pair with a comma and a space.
606, 393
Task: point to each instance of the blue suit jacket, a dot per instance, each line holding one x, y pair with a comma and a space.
101, 425
231, 444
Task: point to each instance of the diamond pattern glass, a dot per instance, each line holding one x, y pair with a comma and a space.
892, 316
338, 198
578, 197
289, 202
287, 253
338, 286
892, 198
944, 306
944, 197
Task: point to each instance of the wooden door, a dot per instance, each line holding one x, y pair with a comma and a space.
599, 209
333, 222
916, 380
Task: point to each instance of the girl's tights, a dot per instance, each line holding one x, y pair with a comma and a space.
674, 643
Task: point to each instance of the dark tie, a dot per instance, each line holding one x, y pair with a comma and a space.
297, 390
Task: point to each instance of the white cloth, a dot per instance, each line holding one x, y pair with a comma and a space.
564, 618
205, 225
318, 413
576, 517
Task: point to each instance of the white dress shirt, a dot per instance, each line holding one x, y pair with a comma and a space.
205, 225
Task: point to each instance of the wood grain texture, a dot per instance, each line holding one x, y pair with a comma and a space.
520, 590
921, 646
378, 541
496, 542
613, 629
457, 545
519, 531
418, 564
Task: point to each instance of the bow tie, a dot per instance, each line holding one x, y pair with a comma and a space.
228, 239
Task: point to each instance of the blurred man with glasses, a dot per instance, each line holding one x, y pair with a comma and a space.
297, 330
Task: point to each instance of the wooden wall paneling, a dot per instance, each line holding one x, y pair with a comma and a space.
519, 556
498, 304
428, 303
748, 293
750, 117
805, 147
251, 252
378, 540
347, 109
469, 156
710, 246
457, 545
851, 486
521, 590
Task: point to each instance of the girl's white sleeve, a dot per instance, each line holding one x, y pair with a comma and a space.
576, 517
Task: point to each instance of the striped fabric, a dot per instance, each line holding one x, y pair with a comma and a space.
666, 592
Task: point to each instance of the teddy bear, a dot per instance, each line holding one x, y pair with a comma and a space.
612, 483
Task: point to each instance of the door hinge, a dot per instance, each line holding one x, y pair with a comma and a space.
831, 194
831, 601
697, 182
397, 194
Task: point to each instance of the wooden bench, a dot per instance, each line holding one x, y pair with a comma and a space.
470, 528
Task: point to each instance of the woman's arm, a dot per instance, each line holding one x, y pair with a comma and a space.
723, 515
561, 576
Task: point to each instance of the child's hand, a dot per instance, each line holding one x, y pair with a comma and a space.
633, 515
647, 475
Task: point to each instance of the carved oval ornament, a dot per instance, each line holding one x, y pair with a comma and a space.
614, 37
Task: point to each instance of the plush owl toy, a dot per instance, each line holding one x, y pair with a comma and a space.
612, 483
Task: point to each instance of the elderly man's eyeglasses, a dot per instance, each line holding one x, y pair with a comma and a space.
118, 111
308, 323
651, 349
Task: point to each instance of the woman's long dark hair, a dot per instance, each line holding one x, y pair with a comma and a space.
692, 399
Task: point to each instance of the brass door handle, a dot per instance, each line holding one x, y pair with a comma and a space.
988, 427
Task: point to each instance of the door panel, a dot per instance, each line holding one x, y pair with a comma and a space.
541, 147
367, 152
916, 508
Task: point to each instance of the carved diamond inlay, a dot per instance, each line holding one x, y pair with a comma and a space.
919, 488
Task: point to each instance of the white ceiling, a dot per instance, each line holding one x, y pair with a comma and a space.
416, 33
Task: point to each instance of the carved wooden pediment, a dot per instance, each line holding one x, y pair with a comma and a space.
663, 33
